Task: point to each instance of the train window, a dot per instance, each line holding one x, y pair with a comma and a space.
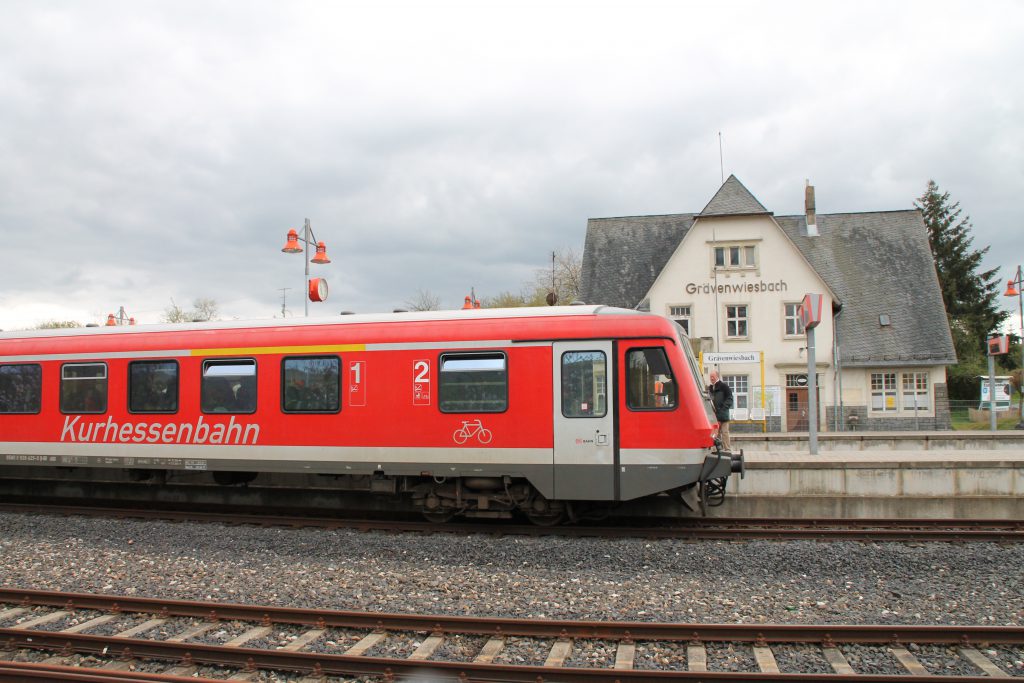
649, 382
311, 384
21, 388
584, 384
153, 386
83, 388
473, 383
229, 386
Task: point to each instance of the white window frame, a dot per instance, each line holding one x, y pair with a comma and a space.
738, 319
684, 319
915, 385
903, 387
791, 314
882, 389
740, 385
736, 256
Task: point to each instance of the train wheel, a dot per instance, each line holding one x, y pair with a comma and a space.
552, 518
438, 517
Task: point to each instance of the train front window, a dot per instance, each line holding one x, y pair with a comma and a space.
473, 383
311, 385
21, 388
584, 384
153, 386
649, 381
83, 388
229, 386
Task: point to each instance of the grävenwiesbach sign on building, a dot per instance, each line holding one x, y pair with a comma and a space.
713, 358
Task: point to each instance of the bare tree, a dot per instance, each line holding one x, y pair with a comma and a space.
424, 300
506, 300
203, 309
58, 324
568, 269
568, 266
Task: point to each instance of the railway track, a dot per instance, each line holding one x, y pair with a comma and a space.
707, 528
135, 639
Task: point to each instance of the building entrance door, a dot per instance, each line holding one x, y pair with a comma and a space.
796, 409
796, 403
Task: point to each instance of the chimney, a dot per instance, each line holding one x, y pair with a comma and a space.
812, 217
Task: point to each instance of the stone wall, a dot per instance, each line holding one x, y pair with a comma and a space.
943, 421
855, 418
774, 425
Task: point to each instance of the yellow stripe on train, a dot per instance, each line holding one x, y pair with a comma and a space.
268, 350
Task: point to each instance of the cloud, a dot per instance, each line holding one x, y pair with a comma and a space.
155, 151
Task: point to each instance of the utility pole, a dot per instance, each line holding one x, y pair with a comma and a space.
284, 300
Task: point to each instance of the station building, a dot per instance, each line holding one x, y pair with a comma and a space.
733, 276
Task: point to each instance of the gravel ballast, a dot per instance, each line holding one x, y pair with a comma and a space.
553, 577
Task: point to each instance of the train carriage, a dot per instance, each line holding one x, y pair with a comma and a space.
480, 412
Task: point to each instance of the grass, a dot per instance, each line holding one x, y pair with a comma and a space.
960, 422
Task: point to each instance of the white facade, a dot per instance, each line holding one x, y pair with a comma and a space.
736, 283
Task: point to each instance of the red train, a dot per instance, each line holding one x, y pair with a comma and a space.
480, 413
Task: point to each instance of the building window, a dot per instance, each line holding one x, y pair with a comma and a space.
649, 382
740, 385
915, 391
21, 388
83, 388
681, 314
473, 383
736, 322
153, 386
229, 386
311, 384
735, 257
883, 392
794, 325
584, 384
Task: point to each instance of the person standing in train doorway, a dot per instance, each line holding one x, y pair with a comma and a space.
721, 400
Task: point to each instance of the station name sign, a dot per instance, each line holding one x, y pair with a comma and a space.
737, 287
733, 357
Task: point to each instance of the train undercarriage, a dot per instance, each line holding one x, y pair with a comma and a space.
438, 499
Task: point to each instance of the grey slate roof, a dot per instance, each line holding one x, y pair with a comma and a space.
623, 256
879, 263
875, 263
733, 199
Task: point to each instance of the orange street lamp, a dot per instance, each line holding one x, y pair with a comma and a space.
1014, 288
471, 300
292, 246
121, 318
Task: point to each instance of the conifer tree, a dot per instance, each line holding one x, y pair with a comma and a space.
971, 297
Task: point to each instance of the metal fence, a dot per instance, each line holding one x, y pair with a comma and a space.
961, 415
969, 415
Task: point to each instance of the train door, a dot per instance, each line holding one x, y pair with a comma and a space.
584, 439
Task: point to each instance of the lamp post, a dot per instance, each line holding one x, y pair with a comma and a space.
292, 247
1014, 288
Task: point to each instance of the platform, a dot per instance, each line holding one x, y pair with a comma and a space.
949, 475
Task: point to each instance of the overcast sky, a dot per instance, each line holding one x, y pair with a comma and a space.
152, 151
